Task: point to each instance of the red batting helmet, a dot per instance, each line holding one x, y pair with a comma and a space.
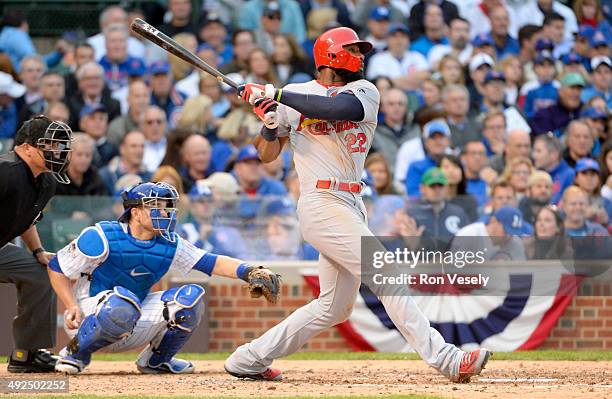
329, 49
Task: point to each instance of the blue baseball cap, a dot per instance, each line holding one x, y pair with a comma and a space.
593, 113
200, 192
280, 207
585, 31
598, 39
436, 126
544, 55
544, 44
247, 153
572, 58
380, 13
136, 67
398, 27
482, 40
584, 164
512, 220
494, 75
92, 109
159, 67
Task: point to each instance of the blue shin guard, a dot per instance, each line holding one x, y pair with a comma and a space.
183, 309
115, 318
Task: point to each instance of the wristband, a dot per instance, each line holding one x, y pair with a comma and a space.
243, 271
37, 251
268, 134
279, 93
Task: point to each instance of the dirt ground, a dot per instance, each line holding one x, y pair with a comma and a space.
502, 379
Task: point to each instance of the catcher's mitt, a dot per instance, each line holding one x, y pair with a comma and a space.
264, 282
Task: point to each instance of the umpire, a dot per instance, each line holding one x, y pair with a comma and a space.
27, 182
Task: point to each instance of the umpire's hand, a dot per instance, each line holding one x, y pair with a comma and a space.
44, 257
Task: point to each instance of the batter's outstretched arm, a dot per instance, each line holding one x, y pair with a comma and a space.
343, 107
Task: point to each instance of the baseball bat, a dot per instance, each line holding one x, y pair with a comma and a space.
170, 45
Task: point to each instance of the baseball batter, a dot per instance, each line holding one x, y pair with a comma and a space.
330, 124
104, 277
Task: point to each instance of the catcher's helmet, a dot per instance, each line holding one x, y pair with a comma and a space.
329, 49
161, 198
53, 138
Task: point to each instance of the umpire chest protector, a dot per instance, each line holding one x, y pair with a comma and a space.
133, 264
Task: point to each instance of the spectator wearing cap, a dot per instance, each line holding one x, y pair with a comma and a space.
135, 73
378, 28
269, 27
205, 230
343, 16
138, 98
127, 163
518, 144
213, 32
601, 86
116, 61
600, 44
588, 178
574, 62
153, 126
93, 121
395, 127
9, 91
582, 43
543, 92
458, 43
493, 95
163, 92
597, 121
539, 194
483, 43
363, 9
249, 173
548, 156
436, 142
556, 117
243, 42
180, 11
502, 41
90, 77
114, 15
474, 161
575, 205
435, 30
84, 176
51, 90
479, 66
433, 215
195, 154
418, 13
407, 69
579, 142
292, 19
479, 15
463, 127
535, 12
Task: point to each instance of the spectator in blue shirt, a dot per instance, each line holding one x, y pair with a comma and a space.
163, 92
436, 142
292, 19
602, 81
213, 32
249, 173
548, 156
93, 120
504, 43
588, 178
116, 62
474, 159
9, 91
435, 30
556, 117
575, 206
545, 94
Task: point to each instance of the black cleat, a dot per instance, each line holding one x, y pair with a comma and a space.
32, 361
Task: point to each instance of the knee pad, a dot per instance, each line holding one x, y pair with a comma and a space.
183, 307
115, 317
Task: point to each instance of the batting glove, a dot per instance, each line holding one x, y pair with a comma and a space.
252, 91
265, 109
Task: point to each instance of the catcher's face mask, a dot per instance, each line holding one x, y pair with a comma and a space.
56, 148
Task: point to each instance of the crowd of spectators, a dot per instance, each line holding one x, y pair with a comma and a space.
491, 110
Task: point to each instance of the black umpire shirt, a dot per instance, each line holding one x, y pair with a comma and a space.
22, 197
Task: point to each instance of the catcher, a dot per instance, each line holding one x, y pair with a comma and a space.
104, 276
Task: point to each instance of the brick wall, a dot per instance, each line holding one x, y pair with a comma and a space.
235, 318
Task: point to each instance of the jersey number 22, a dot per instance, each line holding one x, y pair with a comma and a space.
355, 143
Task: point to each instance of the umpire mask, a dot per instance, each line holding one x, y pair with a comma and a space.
56, 148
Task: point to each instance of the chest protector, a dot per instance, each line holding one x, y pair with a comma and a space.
133, 264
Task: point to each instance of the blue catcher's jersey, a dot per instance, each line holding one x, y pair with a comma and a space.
131, 263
